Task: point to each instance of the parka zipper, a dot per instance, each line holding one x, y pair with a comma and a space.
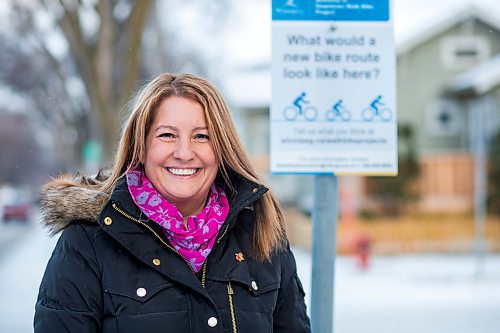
223, 234
230, 293
204, 274
154, 233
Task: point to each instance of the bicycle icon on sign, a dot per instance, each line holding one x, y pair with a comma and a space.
338, 112
374, 111
297, 110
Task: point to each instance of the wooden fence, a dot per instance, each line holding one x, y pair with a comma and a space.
446, 183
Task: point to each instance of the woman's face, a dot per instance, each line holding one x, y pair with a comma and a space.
180, 160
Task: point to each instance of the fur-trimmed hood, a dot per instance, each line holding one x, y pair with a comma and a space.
70, 198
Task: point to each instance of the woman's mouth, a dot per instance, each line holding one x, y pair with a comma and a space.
183, 171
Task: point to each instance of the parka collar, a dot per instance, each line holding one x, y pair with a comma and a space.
242, 194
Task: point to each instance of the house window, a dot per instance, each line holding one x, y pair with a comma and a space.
444, 118
460, 52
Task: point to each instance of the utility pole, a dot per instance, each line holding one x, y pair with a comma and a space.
479, 142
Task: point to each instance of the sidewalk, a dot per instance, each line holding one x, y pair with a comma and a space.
21, 271
10, 234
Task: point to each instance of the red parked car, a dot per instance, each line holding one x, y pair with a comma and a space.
16, 212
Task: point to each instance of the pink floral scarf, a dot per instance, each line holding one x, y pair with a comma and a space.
195, 242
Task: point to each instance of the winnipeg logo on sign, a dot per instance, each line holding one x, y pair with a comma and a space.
291, 7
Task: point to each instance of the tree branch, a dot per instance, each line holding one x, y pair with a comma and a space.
82, 50
135, 29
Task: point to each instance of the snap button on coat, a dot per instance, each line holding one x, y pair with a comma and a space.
156, 262
141, 292
212, 321
108, 220
254, 286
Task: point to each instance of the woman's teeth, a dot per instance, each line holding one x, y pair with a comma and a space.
182, 172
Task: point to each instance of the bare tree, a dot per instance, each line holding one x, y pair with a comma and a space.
108, 59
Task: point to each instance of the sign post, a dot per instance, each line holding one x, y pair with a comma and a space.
333, 111
324, 247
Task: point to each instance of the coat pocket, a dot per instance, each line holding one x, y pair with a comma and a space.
135, 297
133, 305
252, 306
258, 297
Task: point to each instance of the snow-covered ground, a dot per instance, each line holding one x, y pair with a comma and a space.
21, 269
417, 293
403, 294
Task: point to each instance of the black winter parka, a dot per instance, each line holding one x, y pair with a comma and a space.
120, 274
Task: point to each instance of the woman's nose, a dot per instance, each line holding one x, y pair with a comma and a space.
183, 150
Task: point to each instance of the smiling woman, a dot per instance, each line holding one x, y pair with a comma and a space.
181, 237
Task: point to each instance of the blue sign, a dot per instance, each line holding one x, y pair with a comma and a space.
330, 10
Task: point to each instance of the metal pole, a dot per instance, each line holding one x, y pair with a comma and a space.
325, 212
480, 187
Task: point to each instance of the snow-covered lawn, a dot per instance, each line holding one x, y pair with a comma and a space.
414, 293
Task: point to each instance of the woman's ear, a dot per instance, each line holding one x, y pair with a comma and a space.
142, 157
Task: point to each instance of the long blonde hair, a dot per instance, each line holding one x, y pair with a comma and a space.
269, 230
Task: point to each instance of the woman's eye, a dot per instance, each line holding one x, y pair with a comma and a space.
203, 137
166, 135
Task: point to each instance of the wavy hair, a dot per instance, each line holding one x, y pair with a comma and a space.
269, 230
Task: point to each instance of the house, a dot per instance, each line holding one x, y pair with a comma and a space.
447, 75
448, 79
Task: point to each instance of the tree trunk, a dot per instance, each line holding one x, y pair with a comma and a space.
109, 63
